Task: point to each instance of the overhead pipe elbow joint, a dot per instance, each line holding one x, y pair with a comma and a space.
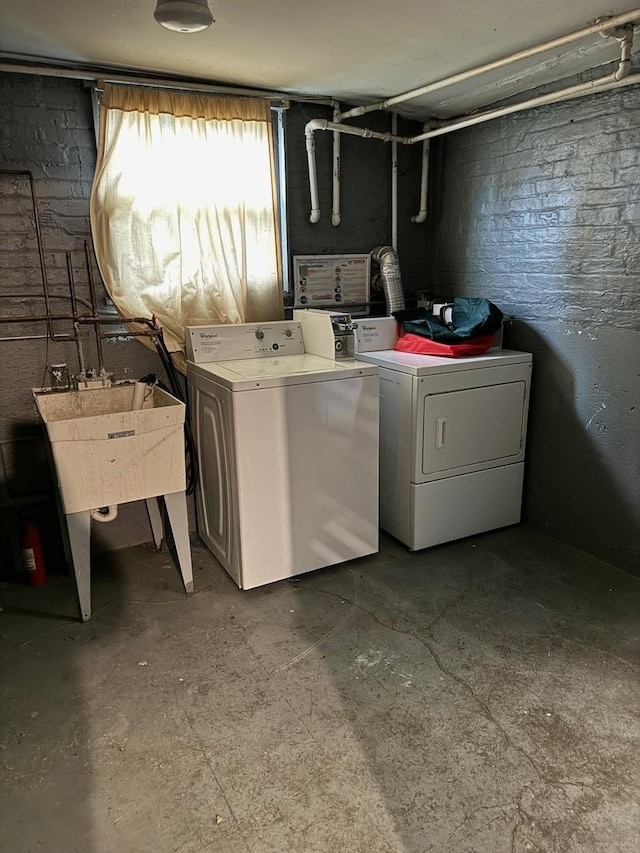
313, 125
335, 211
626, 44
309, 130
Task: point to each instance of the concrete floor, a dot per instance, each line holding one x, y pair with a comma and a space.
480, 696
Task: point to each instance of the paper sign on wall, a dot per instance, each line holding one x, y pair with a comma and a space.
331, 281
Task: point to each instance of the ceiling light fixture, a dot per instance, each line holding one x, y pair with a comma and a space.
183, 16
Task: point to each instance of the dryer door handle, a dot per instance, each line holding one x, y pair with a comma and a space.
440, 432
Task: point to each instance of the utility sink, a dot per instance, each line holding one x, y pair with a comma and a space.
105, 454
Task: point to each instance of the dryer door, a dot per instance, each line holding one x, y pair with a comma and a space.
473, 428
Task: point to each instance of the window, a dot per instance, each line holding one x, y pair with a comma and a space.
184, 208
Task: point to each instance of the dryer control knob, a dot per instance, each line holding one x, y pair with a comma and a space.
259, 334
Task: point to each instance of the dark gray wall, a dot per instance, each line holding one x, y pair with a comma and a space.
47, 127
540, 212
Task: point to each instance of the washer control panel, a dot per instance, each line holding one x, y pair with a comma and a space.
243, 340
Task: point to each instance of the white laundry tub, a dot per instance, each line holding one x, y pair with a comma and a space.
105, 454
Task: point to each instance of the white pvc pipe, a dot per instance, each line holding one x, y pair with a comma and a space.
602, 26
350, 130
335, 213
324, 124
313, 174
620, 77
109, 515
420, 217
394, 183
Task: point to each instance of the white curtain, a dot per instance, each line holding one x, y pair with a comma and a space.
183, 208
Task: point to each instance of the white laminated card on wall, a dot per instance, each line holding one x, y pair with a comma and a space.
331, 281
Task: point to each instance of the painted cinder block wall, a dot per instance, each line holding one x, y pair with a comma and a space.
540, 212
47, 127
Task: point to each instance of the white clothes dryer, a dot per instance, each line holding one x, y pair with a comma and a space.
287, 445
452, 439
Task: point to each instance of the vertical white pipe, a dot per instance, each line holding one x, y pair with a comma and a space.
424, 183
335, 213
313, 174
394, 184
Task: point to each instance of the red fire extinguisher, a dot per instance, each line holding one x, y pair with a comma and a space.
32, 557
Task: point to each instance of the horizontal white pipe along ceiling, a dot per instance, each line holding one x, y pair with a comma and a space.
618, 30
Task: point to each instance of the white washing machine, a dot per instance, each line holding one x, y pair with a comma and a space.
287, 443
452, 438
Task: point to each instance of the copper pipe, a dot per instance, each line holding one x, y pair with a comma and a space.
119, 320
84, 319
94, 306
45, 284
48, 317
74, 309
103, 335
72, 286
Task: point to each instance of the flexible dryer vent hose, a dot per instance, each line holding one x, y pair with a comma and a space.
389, 265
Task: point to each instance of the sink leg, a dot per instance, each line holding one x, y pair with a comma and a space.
155, 519
177, 511
79, 527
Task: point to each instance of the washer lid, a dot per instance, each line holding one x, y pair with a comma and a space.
250, 373
424, 365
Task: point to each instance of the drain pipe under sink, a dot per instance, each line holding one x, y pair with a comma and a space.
424, 181
105, 513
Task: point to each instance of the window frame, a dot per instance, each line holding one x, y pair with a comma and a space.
278, 112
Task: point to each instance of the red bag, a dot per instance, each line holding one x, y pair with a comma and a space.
408, 342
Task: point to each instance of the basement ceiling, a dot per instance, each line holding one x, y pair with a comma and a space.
358, 51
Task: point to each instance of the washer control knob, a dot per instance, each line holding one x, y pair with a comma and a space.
288, 332
259, 334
